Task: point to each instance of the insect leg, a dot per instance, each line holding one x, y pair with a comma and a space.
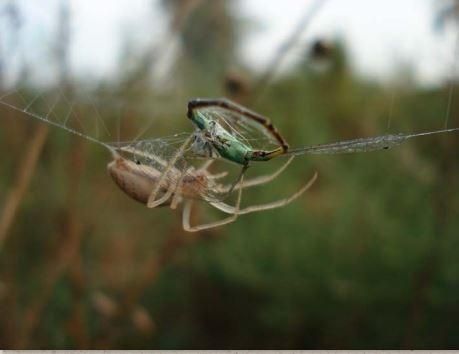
177, 194
239, 179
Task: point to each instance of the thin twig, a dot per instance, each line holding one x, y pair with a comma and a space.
271, 70
76, 325
66, 254
24, 176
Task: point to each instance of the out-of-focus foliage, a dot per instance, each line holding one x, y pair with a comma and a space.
366, 259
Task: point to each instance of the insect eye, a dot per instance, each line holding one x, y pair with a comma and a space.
137, 162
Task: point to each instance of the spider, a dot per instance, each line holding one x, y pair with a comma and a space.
186, 186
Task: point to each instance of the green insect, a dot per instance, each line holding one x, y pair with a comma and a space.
230, 131
222, 123
219, 119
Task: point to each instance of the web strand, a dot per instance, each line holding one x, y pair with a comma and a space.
382, 142
27, 110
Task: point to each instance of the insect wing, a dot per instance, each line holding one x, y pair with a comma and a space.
244, 126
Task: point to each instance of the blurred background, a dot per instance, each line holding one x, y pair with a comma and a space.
367, 258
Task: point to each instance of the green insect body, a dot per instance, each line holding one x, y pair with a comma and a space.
226, 144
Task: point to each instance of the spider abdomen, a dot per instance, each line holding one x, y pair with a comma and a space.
137, 181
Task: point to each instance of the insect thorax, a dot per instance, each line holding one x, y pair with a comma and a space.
202, 147
212, 140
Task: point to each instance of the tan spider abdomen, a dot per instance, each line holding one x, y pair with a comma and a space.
136, 181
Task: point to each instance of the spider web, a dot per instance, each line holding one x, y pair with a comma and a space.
150, 155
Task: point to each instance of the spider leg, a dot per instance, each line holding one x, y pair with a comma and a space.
177, 195
152, 202
164, 198
187, 215
218, 175
229, 209
206, 165
259, 180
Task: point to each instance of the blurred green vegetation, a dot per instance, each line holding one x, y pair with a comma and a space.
365, 259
